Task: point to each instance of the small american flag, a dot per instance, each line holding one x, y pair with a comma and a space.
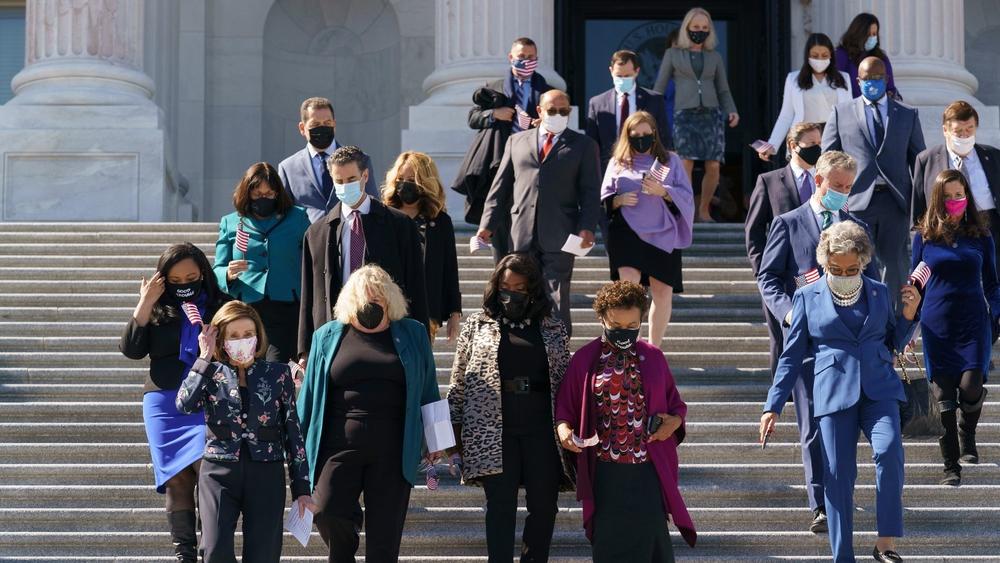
658, 171
242, 239
920, 275
523, 119
807, 278
432, 478
191, 310
525, 68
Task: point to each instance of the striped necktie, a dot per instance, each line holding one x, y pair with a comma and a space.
357, 241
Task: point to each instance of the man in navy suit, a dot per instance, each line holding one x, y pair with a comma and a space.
523, 88
885, 138
305, 173
788, 262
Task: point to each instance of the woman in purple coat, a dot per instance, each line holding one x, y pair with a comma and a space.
859, 41
619, 411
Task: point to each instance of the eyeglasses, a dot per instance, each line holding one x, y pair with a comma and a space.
561, 111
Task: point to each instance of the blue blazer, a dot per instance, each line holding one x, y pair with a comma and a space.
274, 256
846, 363
297, 175
847, 130
790, 251
602, 127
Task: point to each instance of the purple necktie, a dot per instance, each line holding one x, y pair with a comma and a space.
357, 241
806, 188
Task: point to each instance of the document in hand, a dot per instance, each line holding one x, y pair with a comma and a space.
300, 527
438, 431
574, 245
476, 244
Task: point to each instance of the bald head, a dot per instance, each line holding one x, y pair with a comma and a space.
871, 68
552, 96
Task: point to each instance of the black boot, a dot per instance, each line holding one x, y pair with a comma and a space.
182, 533
967, 421
949, 449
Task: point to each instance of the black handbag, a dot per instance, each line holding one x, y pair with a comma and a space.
919, 416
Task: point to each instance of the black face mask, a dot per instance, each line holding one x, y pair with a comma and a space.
514, 304
263, 206
697, 37
810, 154
621, 338
642, 143
321, 136
408, 192
370, 316
184, 291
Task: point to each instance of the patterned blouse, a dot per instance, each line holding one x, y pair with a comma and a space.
621, 406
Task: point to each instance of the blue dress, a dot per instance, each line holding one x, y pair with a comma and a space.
961, 304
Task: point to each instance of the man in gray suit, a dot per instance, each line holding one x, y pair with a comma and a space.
304, 173
549, 177
884, 136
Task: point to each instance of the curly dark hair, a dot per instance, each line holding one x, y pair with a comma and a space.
527, 266
167, 307
934, 226
621, 294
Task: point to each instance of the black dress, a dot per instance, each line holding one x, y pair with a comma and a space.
627, 250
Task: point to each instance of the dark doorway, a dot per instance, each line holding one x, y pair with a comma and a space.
753, 40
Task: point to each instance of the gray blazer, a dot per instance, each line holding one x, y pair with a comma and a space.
847, 130
297, 175
562, 191
713, 84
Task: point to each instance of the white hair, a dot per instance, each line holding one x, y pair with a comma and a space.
835, 160
684, 42
845, 237
367, 283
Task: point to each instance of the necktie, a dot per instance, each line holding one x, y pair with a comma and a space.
806, 188
623, 112
325, 177
879, 126
827, 219
960, 166
357, 241
547, 146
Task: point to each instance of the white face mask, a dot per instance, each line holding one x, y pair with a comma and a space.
843, 285
819, 65
962, 145
555, 123
241, 351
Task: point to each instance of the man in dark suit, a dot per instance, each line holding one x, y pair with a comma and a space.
885, 138
304, 173
608, 110
549, 178
777, 192
358, 230
788, 262
980, 164
523, 88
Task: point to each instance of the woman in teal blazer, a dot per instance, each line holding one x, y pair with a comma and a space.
258, 257
368, 373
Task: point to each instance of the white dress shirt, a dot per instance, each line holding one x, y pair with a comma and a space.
347, 216
981, 193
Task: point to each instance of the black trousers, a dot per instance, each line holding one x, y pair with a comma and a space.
630, 523
531, 460
281, 322
362, 456
255, 489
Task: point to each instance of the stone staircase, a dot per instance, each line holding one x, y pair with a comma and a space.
75, 480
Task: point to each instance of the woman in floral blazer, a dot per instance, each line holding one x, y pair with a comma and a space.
251, 429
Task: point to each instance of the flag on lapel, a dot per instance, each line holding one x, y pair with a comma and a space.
242, 239
523, 119
807, 278
659, 171
191, 310
920, 275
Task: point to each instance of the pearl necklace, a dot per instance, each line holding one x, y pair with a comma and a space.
847, 300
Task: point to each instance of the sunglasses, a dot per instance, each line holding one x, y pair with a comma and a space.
563, 111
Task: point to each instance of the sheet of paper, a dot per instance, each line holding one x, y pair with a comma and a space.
585, 442
756, 145
438, 431
300, 527
574, 245
477, 244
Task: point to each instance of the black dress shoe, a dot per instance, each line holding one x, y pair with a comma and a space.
818, 525
888, 556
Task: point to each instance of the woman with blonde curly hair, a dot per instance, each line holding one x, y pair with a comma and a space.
413, 186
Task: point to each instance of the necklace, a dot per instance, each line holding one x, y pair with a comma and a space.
846, 300
515, 324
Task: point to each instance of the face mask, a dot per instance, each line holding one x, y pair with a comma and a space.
833, 200
956, 207
408, 192
962, 145
641, 143
555, 123
810, 154
871, 42
185, 291
697, 37
819, 65
514, 304
242, 351
370, 316
621, 338
321, 136
263, 206
350, 193
843, 285
524, 68
624, 83
873, 90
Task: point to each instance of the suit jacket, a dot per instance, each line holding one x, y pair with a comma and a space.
483, 118
846, 363
775, 193
847, 130
563, 190
710, 90
392, 242
602, 127
270, 426
793, 106
297, 175
441, 267
791, 251
934, 160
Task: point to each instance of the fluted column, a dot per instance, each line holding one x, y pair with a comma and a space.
83, 52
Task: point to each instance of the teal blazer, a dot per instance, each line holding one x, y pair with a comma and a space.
414, 349
274, 256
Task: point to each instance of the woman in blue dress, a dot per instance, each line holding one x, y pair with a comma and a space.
961, 308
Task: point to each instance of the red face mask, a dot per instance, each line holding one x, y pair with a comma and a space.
956, 207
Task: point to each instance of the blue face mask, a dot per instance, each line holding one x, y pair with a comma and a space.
873, 90
834, 200
871, 42
624, 83
349, 194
